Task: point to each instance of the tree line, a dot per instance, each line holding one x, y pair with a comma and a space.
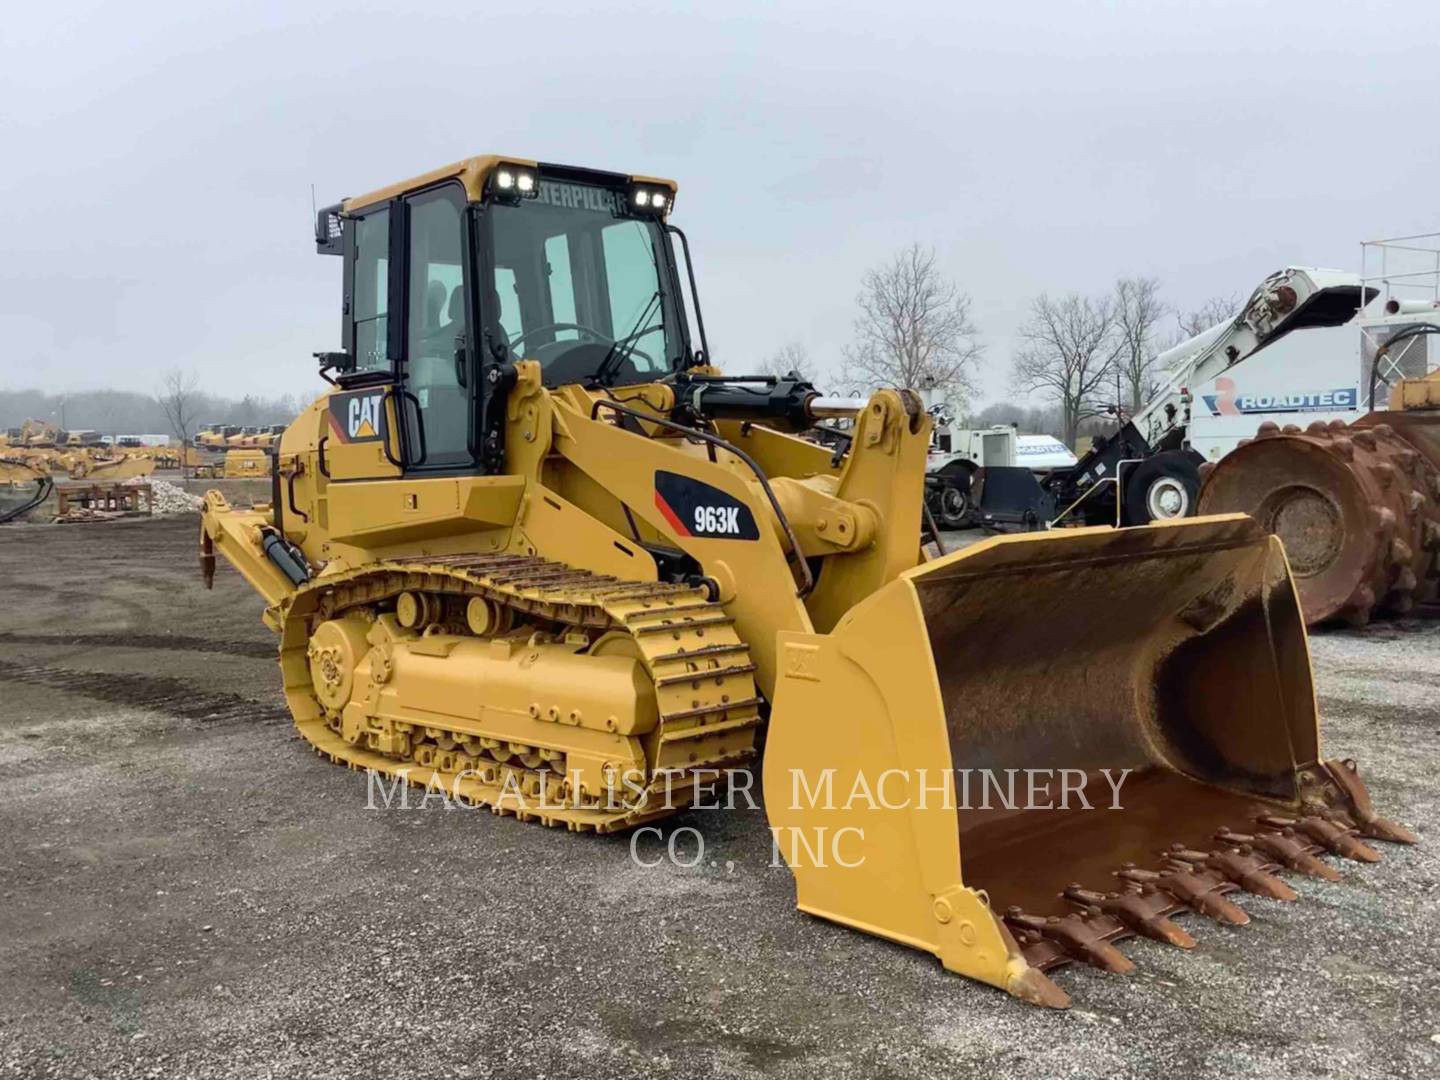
128, 412
1089, 359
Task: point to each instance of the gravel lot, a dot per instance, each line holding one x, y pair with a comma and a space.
186, 891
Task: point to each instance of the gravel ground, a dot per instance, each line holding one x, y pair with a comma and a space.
185, 891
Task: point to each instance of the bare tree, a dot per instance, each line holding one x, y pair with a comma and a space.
1138, 311
913, 329
1070, 346
249, 410
179, 399
1216, 309
790, 357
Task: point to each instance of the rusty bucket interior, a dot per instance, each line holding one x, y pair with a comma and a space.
1159, 677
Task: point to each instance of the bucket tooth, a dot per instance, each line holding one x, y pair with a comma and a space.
1200, 893
1286, 849
1241, 866
1378, 828
1345, 775
1037, 988
1040, 955
1082, 938
1143, 910
1328, 835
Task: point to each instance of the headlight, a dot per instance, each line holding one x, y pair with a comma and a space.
650, 199
511, 183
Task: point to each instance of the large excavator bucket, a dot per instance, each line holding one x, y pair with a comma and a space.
1018, 754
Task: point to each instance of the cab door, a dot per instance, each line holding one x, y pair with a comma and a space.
436, 374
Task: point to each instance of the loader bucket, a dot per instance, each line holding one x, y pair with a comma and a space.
1018, 754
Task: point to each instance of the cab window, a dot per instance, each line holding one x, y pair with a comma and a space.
436, 339
582, 288
630, 272
507, 298
370, 284
560, 282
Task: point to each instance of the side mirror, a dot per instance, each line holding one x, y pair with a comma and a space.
341, 363
329, 231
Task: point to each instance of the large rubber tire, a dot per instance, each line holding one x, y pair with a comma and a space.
952, 503
1162, 488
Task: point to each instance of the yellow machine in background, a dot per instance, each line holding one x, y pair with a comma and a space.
268, 436
109, 466
172, 457
39, 435
249, 438
215, 437
246, 464
241, 464
531, 547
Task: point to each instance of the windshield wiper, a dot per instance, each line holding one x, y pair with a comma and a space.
621, 348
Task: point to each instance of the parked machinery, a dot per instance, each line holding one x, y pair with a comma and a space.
1149, 469
216, 436
960, 459
269, 435
249, 463
110, 465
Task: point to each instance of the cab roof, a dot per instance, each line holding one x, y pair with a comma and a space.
472, 172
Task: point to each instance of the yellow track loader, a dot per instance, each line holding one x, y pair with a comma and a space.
532, 548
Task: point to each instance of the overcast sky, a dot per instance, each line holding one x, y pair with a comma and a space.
158, 158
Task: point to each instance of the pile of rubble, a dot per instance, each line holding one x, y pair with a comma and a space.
169, 498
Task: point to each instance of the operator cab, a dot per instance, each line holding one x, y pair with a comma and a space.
452, 278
